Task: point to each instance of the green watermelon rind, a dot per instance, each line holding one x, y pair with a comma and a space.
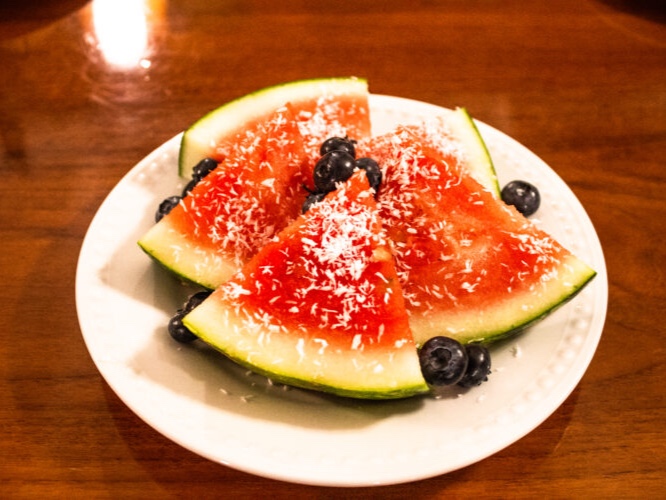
491, 325
479, 160
199, 139
216, 325
173, 251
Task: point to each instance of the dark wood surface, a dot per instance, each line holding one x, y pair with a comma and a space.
582, 83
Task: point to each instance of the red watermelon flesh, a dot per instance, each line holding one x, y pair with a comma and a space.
327, 115
321, 305
333, 115
471, 267
238, 207
456, 136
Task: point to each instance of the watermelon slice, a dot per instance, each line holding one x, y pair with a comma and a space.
455, 135
266, 143
323, 107
237, 208
471, 267
320, 307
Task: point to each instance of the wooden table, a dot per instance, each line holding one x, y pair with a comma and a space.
83, 98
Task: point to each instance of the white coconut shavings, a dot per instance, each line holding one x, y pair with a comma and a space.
337, 247
316, 126
429, 155
327, 261
240, 216
406, 170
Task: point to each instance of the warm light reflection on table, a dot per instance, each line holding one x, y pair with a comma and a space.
121, 30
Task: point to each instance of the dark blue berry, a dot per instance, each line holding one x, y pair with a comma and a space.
178, 330
522, 195
203, 168
443, 361
196, 299
311, 200
372, 171
338, 144
188, 187
478, 366
166, 206
333, 167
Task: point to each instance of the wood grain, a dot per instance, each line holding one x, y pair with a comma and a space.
581, 83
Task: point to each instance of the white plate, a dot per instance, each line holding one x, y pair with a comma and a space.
212, 407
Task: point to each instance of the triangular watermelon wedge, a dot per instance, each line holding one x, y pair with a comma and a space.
323, 107
267, 142
238, 207
455, 134
320, 307
471, 267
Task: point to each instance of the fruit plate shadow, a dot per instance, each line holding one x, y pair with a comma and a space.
200, 400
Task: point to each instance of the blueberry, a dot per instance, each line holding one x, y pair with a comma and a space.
338, 144
443, 361
311, 200
522, 195
196, 299
200, 170
333, 167
178, 330
203, 168
372, 171
166, 206
189, 187
478, 367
